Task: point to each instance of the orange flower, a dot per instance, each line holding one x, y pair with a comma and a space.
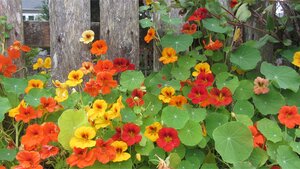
27, 114
50, 131
2, 167
7, 68
14, 50
17, 45
34, 136
188, 28
81, 158
104, 151
106, 81
34, 83
213, 45
99, 47
87, 67
28, 160
48, 151
289, 116
48, 104
150, 35
92, 87
105, 66
258, 139
168, 56
178, 101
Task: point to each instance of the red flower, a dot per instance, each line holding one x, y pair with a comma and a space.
48, 104
186, 82
136, 98
34, 136
233, 3
168, 139
131, 134
28, 160
92, 88
205, 79
198, 94
99, 47
2, 167
221, 97
258, 139
104, 151
7, 68
106, 81
48, 151
51, 132
188, 28
288, 116
104, 66
81, 158
27, 114
213, 45
122, 64
275, 167
198, 15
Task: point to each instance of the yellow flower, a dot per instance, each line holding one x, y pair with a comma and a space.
61, 94
138, 156
121, 147
168, 56
296, 60
40, 63
34, 83
100, 106
166, 94
151, 131
149, 2
58, 84
13, 112
102, 121
201, 67
119, 101
83, 137
114, 111
87, 36
74, 78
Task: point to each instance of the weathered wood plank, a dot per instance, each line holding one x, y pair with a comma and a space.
68, 19
119, 26
37, 34
13, 10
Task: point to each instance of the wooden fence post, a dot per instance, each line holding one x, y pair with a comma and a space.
68, 19
119, 27
13, 10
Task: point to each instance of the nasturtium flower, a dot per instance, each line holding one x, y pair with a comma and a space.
131, 134
188, 28
114, 111
258, 139
102, 121
122, 64
19, 46
168, 56
34, 136
105, 66
7, 68
99, 105
178, 101
221, 97
168, 139
83, 137
138, 156
61, 94
92, 87
47, 151
87, 36
40, 63
51, 131
296, 59
106, 81
13, 112
99, 47
149, 2
120, 147
204, 79
104, 151
81, 158
198, 94
136, 98
233, 3
151, 131
48, 104
201, 67
261, 86
198, 15
59, 84
120, 103
87, 67
289, 116
28, 160
34, 83
28, 113
150, 35
74, 78
166, 94
212, 45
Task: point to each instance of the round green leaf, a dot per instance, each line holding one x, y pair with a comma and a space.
243, 165
244, 119
4, 107
244, 107
218, 68
286, 158
128, 115
152, 104
145, 23
14, 85
121, 165
180, 151
270, 130
245, 57
243, 12
286, 77
34, 96
295, 146
8, 154
131, 79
185, 165
145, 150
187, 61
195, 157
68, 122
217, 56
214, 120
258, 157
291, 97
269, 103
244, 91
174, 160
233, 142
156, 152
180, 73
209, 166
214, 25
197, 114
228, 80
191, 134
174, 117
179, 42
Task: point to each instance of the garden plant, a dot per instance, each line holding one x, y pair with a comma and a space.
216, 102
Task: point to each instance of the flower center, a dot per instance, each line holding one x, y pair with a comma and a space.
168, 139
85, 135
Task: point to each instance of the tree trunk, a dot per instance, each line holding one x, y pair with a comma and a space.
68, 19
13, 10
119, 27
